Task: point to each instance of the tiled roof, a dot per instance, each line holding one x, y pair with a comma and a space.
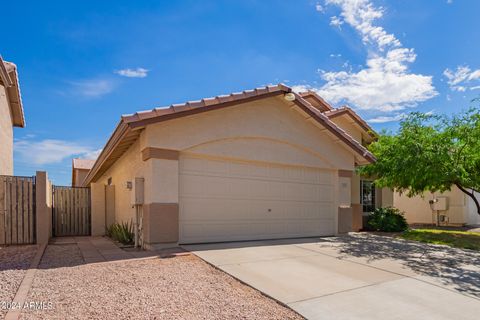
316, 100
347, 110
205, 102
127, 131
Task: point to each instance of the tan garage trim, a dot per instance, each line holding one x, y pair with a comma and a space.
345, 173
160, 223
159, 153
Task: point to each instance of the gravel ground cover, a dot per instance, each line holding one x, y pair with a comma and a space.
182, 287
14, 262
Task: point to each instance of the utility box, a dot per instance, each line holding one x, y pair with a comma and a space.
137, 191
440, 204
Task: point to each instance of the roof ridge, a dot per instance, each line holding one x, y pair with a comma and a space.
257, 90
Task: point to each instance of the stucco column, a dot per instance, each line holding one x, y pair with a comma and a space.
97, 193
357, 210
161, 209
345, 211
43, 207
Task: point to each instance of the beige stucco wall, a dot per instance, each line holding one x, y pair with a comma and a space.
473, 218
387, 197
347, 124
355, 188
6, 135
80, 175
129, 166
265, 130
417, 209
43, 203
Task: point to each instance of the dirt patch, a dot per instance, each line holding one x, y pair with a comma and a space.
181, 287
14, 262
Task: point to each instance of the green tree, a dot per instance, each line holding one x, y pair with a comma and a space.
429, 153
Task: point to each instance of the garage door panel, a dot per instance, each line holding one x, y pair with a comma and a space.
244, 201
214, 209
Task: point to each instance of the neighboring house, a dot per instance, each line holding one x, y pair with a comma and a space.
459, 208
11, 114
80, 169
259, 164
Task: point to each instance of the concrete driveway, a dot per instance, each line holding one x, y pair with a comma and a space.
360, 276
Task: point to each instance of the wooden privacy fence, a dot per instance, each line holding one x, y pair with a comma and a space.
71, 214
17, 210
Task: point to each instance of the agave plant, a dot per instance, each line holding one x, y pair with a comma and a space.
122, 232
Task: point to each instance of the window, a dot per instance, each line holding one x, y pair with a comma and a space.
367, 195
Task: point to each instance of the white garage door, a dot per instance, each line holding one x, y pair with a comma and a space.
227, 201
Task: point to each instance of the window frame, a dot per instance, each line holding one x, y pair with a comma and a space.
369, 206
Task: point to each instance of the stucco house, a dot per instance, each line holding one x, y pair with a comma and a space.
80, 169
259, 164
11, 114
455, 208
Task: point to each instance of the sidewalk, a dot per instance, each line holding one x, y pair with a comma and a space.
101, 249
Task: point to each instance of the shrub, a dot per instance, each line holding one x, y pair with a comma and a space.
387, 220
122, 233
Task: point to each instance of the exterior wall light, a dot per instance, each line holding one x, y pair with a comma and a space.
289, 96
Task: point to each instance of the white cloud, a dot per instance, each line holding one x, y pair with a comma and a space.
319, 7
91, 154
461, 79
386, 83
92, 87
383, 119
133, 73
360, 14
336, 21
50, 151
395, 117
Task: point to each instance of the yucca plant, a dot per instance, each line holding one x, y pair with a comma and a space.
121, 232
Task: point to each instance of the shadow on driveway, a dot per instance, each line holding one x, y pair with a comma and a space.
460, 268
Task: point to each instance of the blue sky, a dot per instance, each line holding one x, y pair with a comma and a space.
82, 64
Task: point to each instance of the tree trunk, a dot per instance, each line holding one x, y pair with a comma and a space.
471, 194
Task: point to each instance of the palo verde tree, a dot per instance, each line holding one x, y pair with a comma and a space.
429, 153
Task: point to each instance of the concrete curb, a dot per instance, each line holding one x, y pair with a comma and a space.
24, 288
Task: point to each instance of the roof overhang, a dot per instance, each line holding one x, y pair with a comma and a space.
130, 126
315, 100
348, 112
9, 79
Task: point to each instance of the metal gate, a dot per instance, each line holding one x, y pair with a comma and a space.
71, 211
17, 210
